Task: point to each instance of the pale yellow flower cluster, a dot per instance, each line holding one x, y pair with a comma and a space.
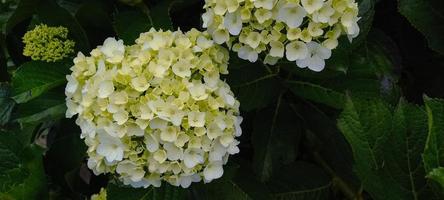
304, 31
156, 110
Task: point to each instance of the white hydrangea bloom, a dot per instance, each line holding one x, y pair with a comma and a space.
270, 30
157, 110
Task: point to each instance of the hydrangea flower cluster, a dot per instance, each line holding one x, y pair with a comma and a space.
48, 44
156, 110
304, 31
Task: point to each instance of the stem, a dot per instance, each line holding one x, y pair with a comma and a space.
338, 181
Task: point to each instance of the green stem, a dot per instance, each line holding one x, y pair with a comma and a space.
338, 181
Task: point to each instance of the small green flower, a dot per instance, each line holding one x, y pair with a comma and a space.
48, 44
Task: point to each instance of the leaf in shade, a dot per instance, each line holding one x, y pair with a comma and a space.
239, 184
21, 172
275, 139
48, 106
25, 9
428, 18
368, 71
129, 25
317, 93
50, 13
387, 147
160, 15
6, 104
98, 27
249, 80
165, 192
36, 77
300, 181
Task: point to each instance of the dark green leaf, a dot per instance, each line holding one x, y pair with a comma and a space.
165, 192
275, 139
427, 17
240, 185
249, 80
98, 27
35, 77
25, 9
52, 14
130, 24
48, 106
160, 15
317, 93
6, 104
300, 181
21, 173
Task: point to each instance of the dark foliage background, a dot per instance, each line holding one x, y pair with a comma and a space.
367, 127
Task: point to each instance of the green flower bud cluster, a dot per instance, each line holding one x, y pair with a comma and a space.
47, 43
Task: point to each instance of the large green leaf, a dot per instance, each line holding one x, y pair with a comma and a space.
328, 146
24, 10
317, 93
254, 86
426, 16
21, 172
239, 184
48, 106
130, 24
300, 181
369, 70
35, 77
434, 149
50, 13
165, 192
275, 139
160, 14
100, 26
387, 147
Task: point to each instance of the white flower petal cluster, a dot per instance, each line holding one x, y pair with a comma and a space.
156, 110
304, 31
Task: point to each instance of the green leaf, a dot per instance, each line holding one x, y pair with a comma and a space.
48, 106
317, 93
21, 172
387, 147
437, 174
239, 184
249, 80
165, 192
366, 13
6, 104
52, 14
366, 71
427, 17
35, 77
160, 15
434, 148
98, 27
299, 181
24, 10
275, 139
130, 24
